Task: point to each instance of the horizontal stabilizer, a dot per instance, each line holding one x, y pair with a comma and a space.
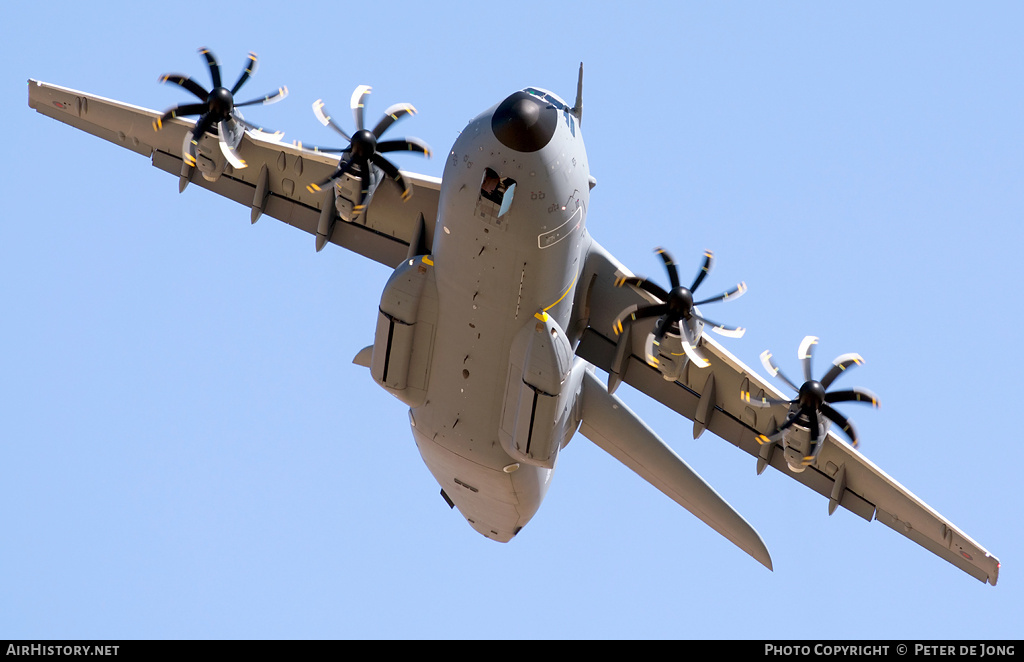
364, 356
610, 424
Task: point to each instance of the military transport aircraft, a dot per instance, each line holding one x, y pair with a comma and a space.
501, 306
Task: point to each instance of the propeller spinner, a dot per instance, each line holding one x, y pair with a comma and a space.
365, 148
676, 307
216, 108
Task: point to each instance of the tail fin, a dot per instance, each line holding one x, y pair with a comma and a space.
577, 109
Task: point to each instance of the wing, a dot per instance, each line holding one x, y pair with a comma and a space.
274, 183
711, 398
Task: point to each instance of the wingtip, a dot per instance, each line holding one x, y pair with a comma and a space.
757, 548
747, 538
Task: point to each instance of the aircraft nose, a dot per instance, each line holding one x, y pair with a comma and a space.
524, 123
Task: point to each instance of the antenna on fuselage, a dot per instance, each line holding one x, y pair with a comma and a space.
577, 110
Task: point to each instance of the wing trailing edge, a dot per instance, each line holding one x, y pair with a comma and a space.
611, 425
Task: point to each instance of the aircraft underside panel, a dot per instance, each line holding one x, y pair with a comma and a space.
495, 502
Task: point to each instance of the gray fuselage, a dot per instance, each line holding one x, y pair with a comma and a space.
503, 269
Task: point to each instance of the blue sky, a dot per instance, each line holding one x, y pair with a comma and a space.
188, 451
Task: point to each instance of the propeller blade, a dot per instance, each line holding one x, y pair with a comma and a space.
204, 124
358, 208
343, 168
844, 423
816, 402
630, 315
695, 357
249, 70
790, 420
670, 266
211, 62
680, 301
188, 150
231, 156
839, 366
647, 286
766, 361
356, 103
267, 99
734, 293
321, 114
617, 325
391, 115
186, 82
406, 144
266, 135
391, 171
812, 423
193, 137
689, 344
216, 108
709, 263
763, 402
229, 153
183, 110
660, 329
722, 329
806, 352
853, 395
777, 435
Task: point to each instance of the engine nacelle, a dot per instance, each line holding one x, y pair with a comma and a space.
538, 395
347, 189
669, 356
404, 339
799, 449
211, 160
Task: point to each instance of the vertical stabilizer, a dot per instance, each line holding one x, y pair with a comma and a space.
577, 109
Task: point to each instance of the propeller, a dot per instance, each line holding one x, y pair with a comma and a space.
216, 108
813, 396
676, 307
365, 148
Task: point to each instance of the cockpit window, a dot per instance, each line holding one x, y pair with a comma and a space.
495, 197
557, 104
490, 188
507, 200
547, 96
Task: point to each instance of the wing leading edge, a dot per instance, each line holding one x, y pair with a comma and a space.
274, 183
711, 398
